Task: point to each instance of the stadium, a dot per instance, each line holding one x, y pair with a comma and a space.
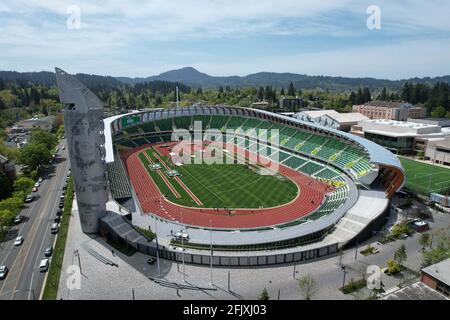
329, 188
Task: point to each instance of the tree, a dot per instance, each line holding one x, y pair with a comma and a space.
5, 218
5, 185
60, 132
264, 295
308, 286
392, 266
424, 240
439, 112
291, 90
23, 184
39, 136
34, 155
400, 254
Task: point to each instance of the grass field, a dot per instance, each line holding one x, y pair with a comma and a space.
226, 185
425, 178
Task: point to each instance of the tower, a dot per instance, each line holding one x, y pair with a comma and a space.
83, 122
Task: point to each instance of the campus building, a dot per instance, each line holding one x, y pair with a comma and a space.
437, 277
290, 104
399, 111
438, 151
332, 118
399, 136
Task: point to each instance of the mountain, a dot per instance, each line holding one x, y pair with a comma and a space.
195, 78
48, 78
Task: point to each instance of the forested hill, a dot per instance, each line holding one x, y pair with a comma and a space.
195, 78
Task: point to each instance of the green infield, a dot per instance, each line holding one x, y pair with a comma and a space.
223, 185
425, 178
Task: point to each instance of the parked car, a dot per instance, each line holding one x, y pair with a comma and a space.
35, 189
59, 212
19, 240
29, 198
3, 272
48, 252
37, 185
40, 180
57, 219
18, 219
54, 228
43, 266
61, 205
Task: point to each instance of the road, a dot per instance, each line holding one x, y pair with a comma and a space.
25, 281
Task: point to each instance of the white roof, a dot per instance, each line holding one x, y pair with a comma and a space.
339, 117
439, 271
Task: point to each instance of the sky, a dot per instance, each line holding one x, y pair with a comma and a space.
138, 38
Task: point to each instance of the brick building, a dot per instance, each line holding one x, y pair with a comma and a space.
399, 111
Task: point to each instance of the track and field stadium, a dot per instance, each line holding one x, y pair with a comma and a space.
242, 180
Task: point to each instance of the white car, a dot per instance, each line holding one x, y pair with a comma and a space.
3, 272
18, 241
40, 180
37, 184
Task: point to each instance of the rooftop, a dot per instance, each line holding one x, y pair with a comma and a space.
439, 271
415, 291
388, 104
404, 124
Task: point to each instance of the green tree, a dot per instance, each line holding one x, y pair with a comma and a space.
39, 136
34, 155
400, 254
23, 184
5, 218
264, 295
424, 240
308, 286
392, 266
291, 90
13, 204
439, 112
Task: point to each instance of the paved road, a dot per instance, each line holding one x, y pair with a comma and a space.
25, 281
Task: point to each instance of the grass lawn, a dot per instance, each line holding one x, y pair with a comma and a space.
425, 178
227, 185
52, 284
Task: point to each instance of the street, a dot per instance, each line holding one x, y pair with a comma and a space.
25, 281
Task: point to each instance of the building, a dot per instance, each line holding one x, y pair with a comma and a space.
332, 118
399, 136
399, 111
438, 151
291, 104
437, 277
8, 168
441, 122
413, 292
26, 126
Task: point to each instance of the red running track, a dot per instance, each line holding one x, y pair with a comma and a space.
312, 193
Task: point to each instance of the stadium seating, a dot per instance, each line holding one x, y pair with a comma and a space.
119, 185
164, 124
183, 122
219, 122
310, 168
205, 120
294, 162
235, 122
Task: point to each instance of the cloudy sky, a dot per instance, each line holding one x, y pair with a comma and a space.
227, 37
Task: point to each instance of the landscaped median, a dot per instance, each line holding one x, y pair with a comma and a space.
54, 273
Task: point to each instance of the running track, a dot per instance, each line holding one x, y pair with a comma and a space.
312, 193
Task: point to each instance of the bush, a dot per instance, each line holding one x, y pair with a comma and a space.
392, 266
353, 286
